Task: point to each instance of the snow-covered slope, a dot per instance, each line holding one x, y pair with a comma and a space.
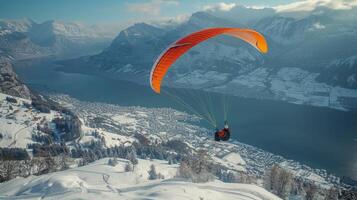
18, 122
291, 84
100, 180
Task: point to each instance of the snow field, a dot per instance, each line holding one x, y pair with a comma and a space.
102, 181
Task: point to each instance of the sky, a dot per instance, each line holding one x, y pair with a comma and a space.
114, 11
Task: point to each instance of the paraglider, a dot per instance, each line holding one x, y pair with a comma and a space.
223, 134
181, 46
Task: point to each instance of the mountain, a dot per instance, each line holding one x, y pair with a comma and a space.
242, 14
16, 45
9, 82
10, 26
69, 38
145, 41
301, 45
341, 72
26, 38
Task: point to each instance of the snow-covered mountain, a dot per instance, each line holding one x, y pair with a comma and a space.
342, 72
10, 26
64, 39
9, 82
308, 44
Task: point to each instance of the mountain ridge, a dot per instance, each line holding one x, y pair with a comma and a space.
62, 39
309, 43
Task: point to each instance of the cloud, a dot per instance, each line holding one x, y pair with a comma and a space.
317, 26
170, 21
181, 18
257, 7
152, 7
310, 5
220, 6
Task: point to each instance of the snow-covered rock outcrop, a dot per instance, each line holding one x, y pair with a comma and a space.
9, 82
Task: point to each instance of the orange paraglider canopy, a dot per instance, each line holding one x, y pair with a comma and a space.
174, 51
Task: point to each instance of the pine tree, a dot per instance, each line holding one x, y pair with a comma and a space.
129, 167
230, 178
184, 170
113, 162
152, 173
131, 155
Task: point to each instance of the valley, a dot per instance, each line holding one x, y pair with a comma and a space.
273, 126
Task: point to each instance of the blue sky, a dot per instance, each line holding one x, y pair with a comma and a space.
112, 11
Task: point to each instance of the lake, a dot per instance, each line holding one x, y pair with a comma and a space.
317, 136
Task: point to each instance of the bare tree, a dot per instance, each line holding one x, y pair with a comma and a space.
284, 183
196, 167
297, 187
311, 191
200, 164
271, 178
278, 180
245, 178
184, 170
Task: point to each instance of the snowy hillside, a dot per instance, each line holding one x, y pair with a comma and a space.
26, 123
290, 84
100, 180
18, 121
